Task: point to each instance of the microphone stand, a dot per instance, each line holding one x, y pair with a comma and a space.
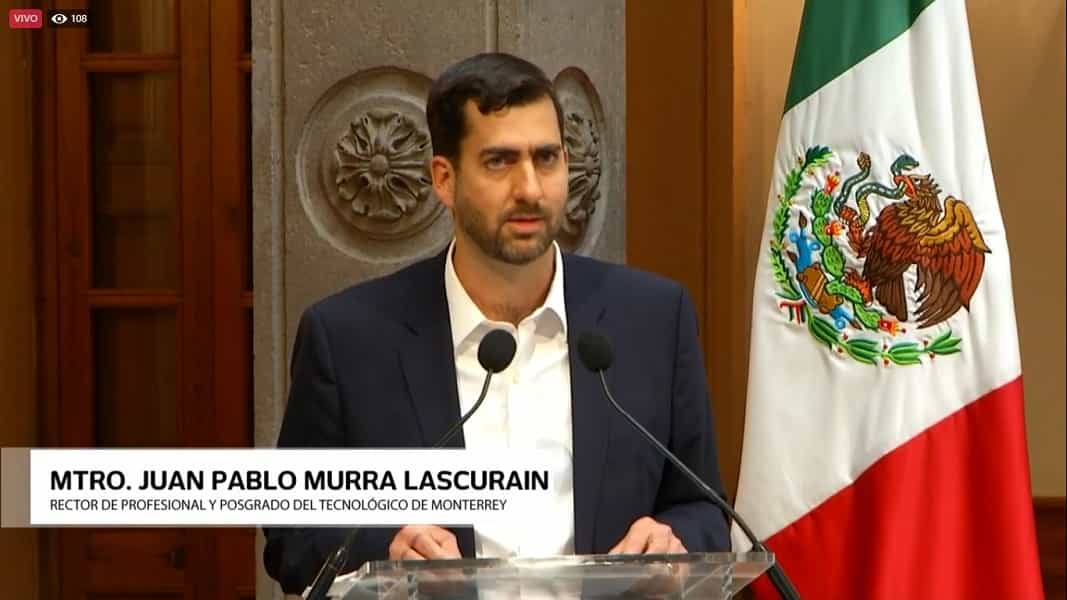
324, 578
777, 575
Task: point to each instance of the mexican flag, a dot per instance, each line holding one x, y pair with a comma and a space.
885, 452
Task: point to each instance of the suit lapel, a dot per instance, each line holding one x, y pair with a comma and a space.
429, 365
427, 356
588, 406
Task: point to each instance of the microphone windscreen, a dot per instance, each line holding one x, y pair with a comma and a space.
594, 351
496, 350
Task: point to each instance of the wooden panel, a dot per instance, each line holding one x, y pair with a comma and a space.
684, 214
75, 260
237, 574
18, 418
136, 375
246, 178
665, 142
47, 238
232, 218
126, 596
111, 63
135, 183
134, 298
728, 291
137, 561
132, 596
143, 27
200, 423
197, 228
232, 283
232, 209
1050, 514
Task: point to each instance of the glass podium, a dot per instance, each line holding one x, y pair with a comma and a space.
698, 575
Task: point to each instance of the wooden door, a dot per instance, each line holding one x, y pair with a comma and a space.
146, 262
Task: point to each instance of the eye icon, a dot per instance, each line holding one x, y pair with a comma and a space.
59, 18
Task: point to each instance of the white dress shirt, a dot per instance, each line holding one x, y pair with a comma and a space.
528, 406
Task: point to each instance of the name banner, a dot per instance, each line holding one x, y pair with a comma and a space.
241, 487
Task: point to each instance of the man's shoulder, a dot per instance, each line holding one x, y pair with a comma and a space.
620, 281
384, 297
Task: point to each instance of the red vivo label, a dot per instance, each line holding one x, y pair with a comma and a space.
25, 18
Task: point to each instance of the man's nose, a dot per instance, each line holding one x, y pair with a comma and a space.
526, 184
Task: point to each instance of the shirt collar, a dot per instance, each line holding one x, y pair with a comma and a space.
466, 317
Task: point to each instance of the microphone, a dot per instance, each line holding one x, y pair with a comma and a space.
495, 352
594, 351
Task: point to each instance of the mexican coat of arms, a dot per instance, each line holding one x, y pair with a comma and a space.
873, 286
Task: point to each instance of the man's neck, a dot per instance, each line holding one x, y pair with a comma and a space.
502, 291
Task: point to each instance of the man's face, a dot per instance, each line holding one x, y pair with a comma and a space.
510, 185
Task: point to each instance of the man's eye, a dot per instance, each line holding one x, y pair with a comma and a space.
495, 162
547, 159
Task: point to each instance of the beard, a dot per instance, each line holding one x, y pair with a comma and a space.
493, 238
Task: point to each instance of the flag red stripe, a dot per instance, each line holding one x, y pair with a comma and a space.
946, 515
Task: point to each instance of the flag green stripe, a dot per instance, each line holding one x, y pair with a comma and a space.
837, 34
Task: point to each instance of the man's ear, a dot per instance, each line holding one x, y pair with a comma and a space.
443, 176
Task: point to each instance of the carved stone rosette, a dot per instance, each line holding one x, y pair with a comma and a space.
583, 145
583, 127
362, 167
381, 165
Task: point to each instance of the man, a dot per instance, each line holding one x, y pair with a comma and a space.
392, 362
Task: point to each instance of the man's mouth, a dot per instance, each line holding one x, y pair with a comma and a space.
525, 217
525, 223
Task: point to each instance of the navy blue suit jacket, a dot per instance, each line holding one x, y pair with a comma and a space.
373, 366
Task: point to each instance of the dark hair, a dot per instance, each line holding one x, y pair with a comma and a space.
494, 81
